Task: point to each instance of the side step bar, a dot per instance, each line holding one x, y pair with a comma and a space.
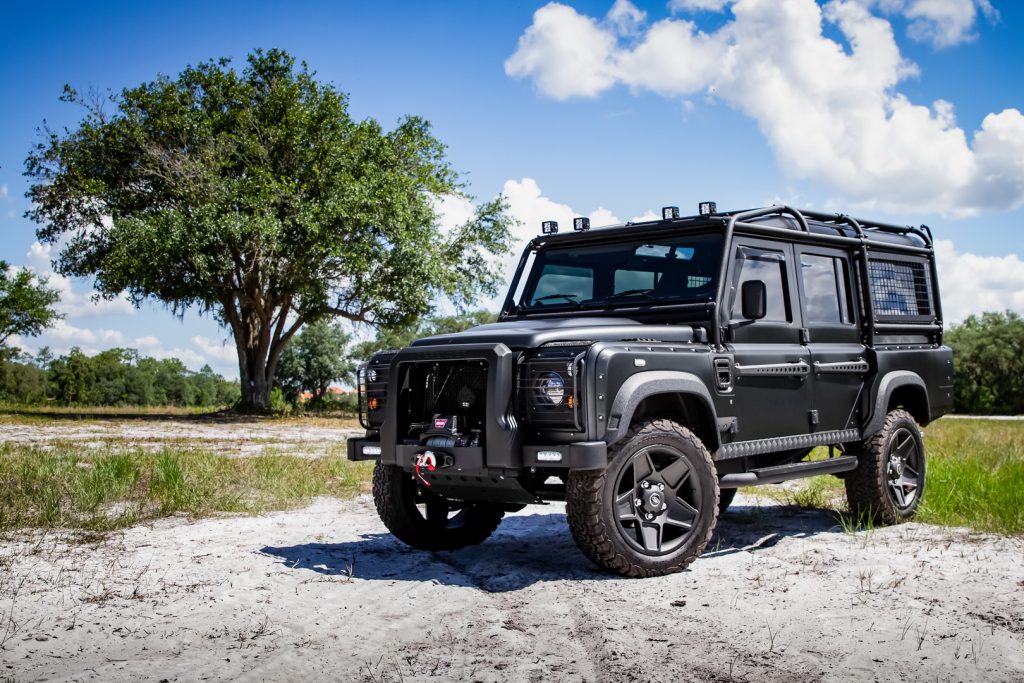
781, 473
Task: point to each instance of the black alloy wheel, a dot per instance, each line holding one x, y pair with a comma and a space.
889, 481
653, 509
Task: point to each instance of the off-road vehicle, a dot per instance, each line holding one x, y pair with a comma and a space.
643, 372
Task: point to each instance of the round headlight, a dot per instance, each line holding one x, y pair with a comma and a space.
371, 375
552, 387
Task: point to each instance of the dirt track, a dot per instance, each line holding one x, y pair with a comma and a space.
781, 595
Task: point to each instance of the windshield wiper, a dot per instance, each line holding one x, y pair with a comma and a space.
633, 292
571, 298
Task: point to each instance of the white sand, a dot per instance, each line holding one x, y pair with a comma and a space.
781, 595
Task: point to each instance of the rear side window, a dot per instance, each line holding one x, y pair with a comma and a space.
900, 288
826, 291
769, 267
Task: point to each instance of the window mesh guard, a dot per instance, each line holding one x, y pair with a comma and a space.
899, 288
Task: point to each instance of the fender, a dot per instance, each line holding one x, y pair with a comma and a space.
889, 383
645, 384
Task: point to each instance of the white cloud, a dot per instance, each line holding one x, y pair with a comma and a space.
453, 211
974, 284
944, 23
698, 5
647, 215
3, 191
830, 111
73, 303
223, 352
565, 52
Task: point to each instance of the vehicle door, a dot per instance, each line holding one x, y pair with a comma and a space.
770, 365
838, 359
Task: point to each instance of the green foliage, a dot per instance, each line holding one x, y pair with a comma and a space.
111, 489
26, 304
116, 377
313, 360
975, 475
975, 479
399, 336
255, 195
988, 362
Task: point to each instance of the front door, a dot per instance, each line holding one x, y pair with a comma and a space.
770, 365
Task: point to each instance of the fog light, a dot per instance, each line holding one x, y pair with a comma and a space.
549, 227
669, 213
371, 450
707, 208
580, 224
549, 456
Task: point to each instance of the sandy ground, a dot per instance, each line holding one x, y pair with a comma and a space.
229, 437
780, 595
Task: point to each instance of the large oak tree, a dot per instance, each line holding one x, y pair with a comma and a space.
254, 195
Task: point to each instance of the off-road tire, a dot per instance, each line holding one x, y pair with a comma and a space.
396, 494
869, 486
591, 505
725, 498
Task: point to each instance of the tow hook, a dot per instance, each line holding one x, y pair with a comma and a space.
428, 460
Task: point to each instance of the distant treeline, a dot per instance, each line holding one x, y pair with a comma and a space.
116, 377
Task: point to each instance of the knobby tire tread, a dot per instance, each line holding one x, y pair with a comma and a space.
583, 509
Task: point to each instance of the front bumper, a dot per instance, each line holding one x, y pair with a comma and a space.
585, 455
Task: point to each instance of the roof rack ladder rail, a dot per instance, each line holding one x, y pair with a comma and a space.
936, 299
868, 323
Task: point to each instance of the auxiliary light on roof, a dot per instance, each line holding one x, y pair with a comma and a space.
707, 208
669, 213
549, 227
580, 224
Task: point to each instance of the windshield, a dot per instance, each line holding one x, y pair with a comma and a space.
678, 269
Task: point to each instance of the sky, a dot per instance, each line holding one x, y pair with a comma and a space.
906, 111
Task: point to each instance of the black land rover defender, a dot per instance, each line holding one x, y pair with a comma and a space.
644, 372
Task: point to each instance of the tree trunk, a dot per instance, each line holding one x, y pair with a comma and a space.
258, 343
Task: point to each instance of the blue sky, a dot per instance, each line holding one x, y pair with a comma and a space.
608, 109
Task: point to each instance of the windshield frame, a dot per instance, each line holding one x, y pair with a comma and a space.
524, 283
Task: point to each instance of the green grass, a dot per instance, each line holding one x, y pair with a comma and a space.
975, 478
105, 489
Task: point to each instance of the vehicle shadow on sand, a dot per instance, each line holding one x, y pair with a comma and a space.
528, 549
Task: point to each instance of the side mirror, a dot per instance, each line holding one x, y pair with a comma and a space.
755, 299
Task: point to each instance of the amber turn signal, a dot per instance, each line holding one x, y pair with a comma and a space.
373, 404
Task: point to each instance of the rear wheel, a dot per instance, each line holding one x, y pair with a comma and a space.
425, 520
652, 510
888, 482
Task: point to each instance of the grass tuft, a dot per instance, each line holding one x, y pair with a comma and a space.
975, 479
100, 490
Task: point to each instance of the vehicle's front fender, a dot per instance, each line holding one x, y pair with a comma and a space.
643, 385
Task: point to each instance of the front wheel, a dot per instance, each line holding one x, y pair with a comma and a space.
888, 482
425, 520
652, 510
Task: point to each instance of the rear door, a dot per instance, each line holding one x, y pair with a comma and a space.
837, 353
770, 365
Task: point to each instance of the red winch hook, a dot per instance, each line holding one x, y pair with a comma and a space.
428, 459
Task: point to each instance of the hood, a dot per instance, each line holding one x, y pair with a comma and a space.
526, 334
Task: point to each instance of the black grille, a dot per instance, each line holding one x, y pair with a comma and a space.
455, 385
